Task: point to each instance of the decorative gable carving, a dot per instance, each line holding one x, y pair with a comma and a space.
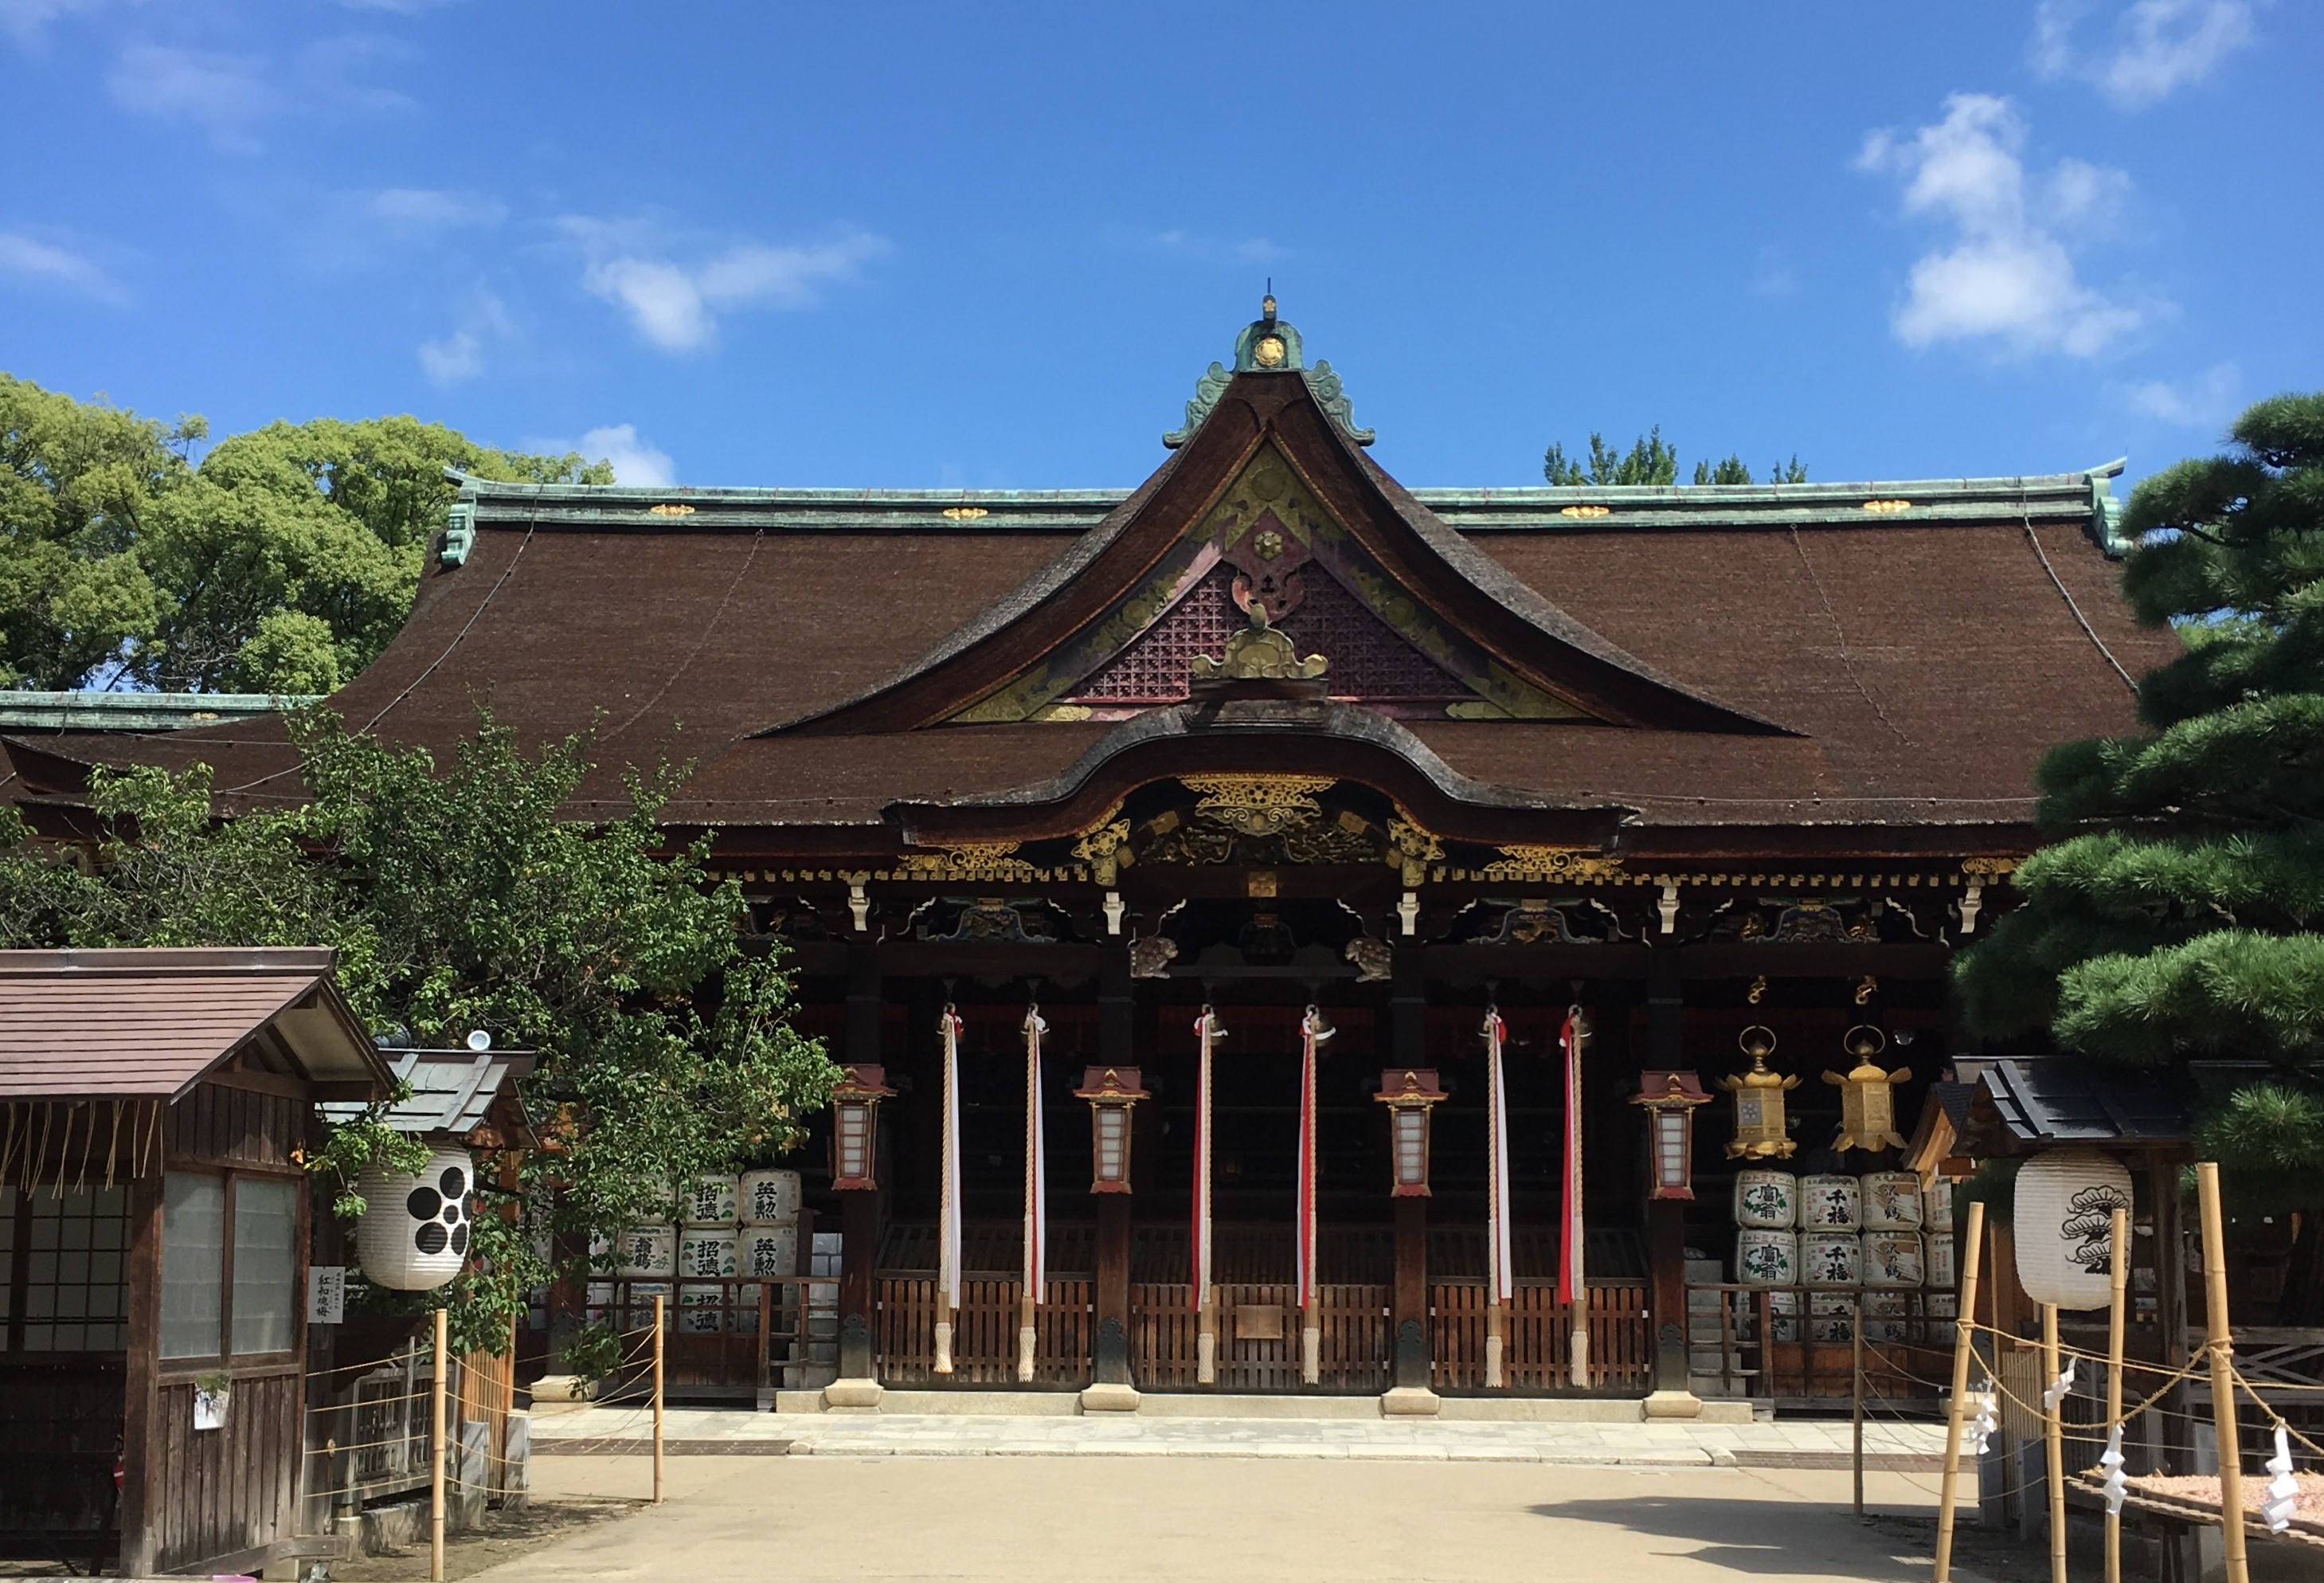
1267, 540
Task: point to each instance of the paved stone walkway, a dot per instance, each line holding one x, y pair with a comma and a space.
1796, 1442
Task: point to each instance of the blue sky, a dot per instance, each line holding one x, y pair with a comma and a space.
993, 245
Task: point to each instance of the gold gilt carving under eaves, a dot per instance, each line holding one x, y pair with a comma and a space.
1551, 865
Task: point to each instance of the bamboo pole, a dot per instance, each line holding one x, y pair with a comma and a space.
1856, 1394
2053, 1443
2223, 1370
2118, 1272
658, 1301
436, 1444
1964, 1348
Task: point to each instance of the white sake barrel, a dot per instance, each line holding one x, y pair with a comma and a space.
1830, 1316
1891, 1259
1830, 1203
770, 1197
1937, 1204
647, 1252
705, 1255
710, 1201
1891, 1201
1941, 1270
1830, 1258
1766, 1257
701, 1309
767, 1250
1767, 1200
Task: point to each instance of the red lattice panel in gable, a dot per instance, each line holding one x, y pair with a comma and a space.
1370, 663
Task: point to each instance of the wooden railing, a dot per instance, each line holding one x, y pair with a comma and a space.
1773, 1343
985, 1332
1537, 1351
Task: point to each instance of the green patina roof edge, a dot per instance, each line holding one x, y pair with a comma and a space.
138, 711
2085, 495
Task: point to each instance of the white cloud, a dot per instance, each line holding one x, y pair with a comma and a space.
26, 18
42, 264
634, 462
2158, 46
422, 208
2205, 402
457, 356
675, 306
2007, 279
228, 94
231, 96
460, 355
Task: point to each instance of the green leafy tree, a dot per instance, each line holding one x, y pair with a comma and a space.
458, 899
2178, 915
1650, 461
283, 564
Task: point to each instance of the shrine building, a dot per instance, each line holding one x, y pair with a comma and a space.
1304, 923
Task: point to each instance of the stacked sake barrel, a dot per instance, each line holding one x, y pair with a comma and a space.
1833, 1235
645, 1257
769, 1207
707, 1254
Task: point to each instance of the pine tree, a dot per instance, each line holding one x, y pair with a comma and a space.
2182, 915
1650, 461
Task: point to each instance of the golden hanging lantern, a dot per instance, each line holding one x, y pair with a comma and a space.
1868, 1101
1760, 1133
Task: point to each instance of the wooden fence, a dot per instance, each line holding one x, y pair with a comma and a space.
985, 1332
1536, 1352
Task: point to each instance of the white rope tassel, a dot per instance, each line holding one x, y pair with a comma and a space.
2283, 1490
2116, 1486
1989, 1415
2060, 1388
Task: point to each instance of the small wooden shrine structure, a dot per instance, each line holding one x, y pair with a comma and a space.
1270, 732
154, 1219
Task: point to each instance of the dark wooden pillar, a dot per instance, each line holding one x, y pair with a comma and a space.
1109, 1359
1666, 1217
141, 1427
1409, 1045
859, 1218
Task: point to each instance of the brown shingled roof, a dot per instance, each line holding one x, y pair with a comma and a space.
1923, 656
150, 1024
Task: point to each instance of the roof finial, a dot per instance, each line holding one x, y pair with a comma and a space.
1266, 303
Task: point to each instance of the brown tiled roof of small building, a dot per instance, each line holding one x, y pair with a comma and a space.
151, 1024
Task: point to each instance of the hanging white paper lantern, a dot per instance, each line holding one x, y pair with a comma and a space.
647, 1252
2063, 1226
770, 1197
1768, 1200
1765, 1257
709, 1202
413, 1236
1830, 1203
1892, 1201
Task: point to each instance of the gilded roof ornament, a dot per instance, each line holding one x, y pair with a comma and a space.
1269, 344
1259, 652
